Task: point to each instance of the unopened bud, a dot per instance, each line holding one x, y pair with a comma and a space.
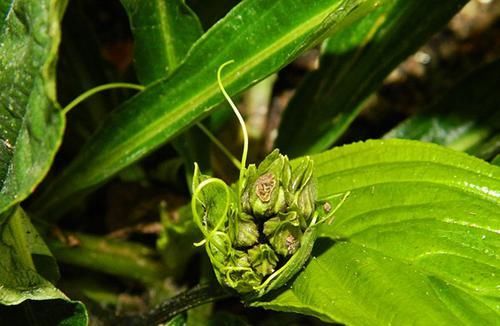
284, 233
244, 230
239, 273
302, 194
266, 186
263, 259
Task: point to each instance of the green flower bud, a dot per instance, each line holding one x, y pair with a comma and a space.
243, 229
266, 187
302, 194
239, 274
284, 233
263, 259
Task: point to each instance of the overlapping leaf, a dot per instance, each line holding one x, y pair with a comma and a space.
26, 296
164, 31
417, 239
31, 124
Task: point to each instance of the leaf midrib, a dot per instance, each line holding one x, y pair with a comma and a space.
413, 206
170, 52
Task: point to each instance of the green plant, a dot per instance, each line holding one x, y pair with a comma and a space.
374, 232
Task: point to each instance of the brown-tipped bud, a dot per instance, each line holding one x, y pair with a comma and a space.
266, 187
284, 233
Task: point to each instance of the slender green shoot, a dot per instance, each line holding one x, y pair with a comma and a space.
110, 86
330, 216
242, 123
98, 89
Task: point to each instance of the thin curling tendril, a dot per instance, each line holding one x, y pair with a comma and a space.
242, 124
203, 224
221, 220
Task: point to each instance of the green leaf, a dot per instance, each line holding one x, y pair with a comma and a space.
261, 36
417, 239
164, 31
31, 123
26, 297
462, 119
353, 65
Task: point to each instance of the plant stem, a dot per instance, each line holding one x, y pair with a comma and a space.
199, 295
242, 124
115, 257
98, 89
257, 101
18, 232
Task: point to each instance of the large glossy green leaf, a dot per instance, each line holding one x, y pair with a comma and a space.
260, 35
27, 297
417, 241
353, 65
462, 119
31, 123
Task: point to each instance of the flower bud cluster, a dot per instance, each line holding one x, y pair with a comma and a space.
265, 226
279, 200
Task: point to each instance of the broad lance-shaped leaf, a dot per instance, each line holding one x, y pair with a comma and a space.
353, 65
26, 296
31, 123
462, 119
416, 240
260, 36
164, 31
